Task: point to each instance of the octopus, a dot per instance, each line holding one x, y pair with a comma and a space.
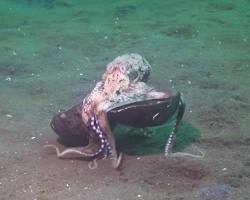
122, 96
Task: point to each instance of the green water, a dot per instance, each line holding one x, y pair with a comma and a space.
54, 51
153, 140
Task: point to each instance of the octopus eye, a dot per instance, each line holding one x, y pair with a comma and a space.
117, 92
133, 75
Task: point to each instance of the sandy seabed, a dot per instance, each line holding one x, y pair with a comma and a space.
52, 53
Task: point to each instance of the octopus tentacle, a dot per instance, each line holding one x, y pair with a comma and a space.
78, 151
92, 165
171, 139
104, 124
199, 155
105, 146
118, 161
170, 142
88, 151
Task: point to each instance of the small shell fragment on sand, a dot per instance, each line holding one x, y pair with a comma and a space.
9, 115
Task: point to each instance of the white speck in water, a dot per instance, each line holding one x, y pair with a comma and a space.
139, 195
224, 169
33, 137
85, 188
67, 185
9, 115
105, 37
189, 82
138, 158
8, 79
59, 47
81, 74
190, 111
170, 80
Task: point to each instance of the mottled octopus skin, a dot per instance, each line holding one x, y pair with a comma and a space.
121, 96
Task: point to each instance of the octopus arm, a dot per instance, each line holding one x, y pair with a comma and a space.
89, 151
105, 127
